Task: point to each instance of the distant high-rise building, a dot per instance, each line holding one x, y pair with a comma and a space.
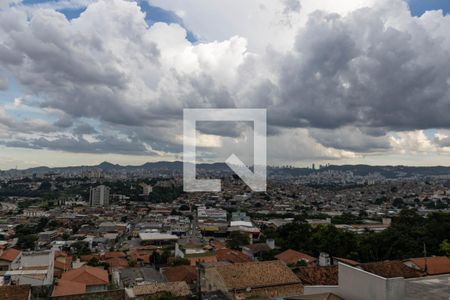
99, 196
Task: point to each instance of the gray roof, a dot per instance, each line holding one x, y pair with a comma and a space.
129, 276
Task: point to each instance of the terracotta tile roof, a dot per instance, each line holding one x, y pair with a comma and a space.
194, 260
180, 273
259, 247
87, 275
327, 275
117, 262
347, 261
65, 288
63, 262
9, 254
232, 256
89, 257
292, 257
256, 274
435, 265
137, 255
391, 269
178, 289
116, 254
15, 292
218, 245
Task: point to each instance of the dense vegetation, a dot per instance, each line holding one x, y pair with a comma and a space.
165, 194
27, 234
407, 237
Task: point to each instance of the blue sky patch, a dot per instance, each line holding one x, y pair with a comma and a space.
418, 7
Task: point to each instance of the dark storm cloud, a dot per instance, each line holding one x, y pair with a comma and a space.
65, 121
356, 70
349, 79
350, 139
3, 83
226, 129
84, 129
80, 145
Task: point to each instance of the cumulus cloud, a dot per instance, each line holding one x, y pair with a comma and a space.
412, 142
340, 79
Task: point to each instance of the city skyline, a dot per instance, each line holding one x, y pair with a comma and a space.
358, 82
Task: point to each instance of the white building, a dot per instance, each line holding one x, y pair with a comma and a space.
99, 196
147, 189
35, 268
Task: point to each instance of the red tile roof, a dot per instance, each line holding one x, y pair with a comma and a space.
434, 265
137, 255
118, 254
391, 269
177, 289
232, 256
218, 245
89, 257
180, 273
9, 254
327, 275
347, 261
15, 292
256, 274
117, 262
87, 275
65, 288
292, 257
194, 260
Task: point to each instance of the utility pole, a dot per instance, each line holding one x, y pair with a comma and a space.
425, 256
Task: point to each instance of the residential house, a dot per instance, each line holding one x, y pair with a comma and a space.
318, 275
292, 257
184, 273
34, 268
157, 238
231, 256
8, 258
142, 292
257, 251
47, 236
63, 263
385, 280
15, 292
95, 279
129, 277
435, 265
252, 279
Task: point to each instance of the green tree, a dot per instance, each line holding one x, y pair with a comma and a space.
81, 248
27, 241
445, 247
236, 240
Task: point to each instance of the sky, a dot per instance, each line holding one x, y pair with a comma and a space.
343, 82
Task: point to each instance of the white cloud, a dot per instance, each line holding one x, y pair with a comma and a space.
412, 142
337, 82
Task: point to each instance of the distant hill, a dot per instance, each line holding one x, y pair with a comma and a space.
177, 166
391, 171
